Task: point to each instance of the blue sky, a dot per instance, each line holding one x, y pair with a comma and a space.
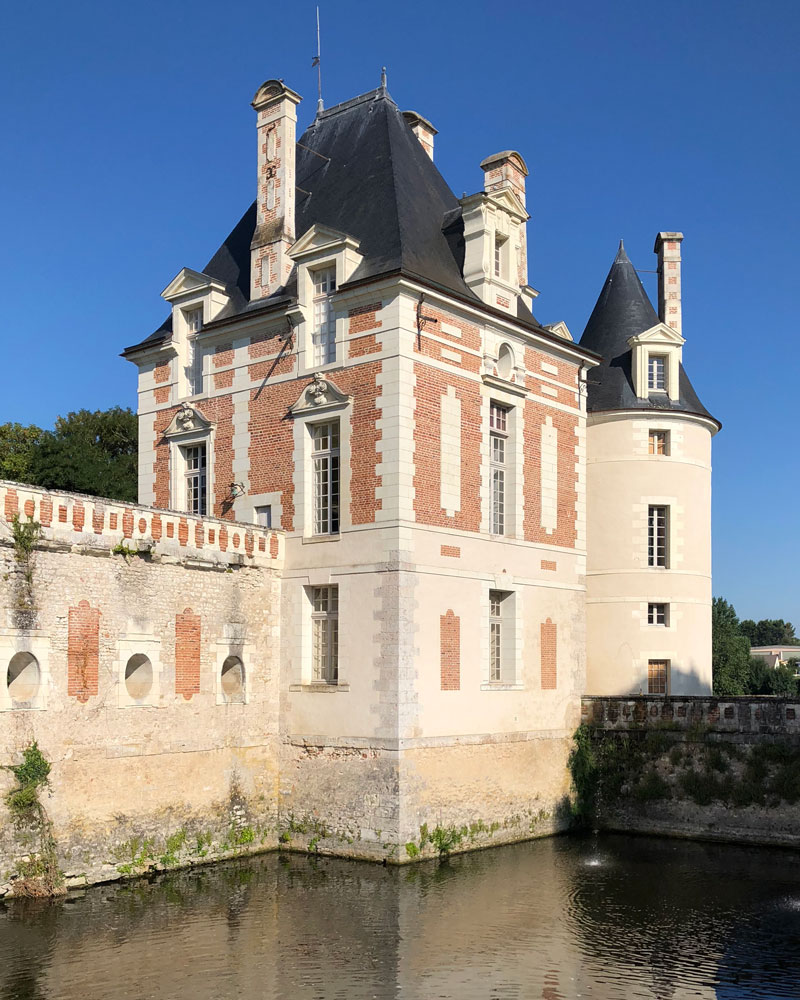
128, 152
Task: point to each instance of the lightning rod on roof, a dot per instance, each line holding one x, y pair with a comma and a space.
317, 61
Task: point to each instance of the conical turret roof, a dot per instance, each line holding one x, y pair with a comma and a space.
624, 310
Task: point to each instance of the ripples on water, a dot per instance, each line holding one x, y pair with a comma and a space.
607, 918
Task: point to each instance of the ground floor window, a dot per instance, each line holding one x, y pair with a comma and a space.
325, 634
658, 676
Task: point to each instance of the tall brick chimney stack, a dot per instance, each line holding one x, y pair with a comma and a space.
668, 248
507, 171
422, 129
276, 122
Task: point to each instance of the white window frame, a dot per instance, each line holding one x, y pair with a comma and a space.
657, 372
323, 316
658, 610
658, 536
499, 449
326, 477
262, 515
324, 601
501, 245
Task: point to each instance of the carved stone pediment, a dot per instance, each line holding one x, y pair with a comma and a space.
188, 420
320, 394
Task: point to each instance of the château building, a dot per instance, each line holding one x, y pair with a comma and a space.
465, 519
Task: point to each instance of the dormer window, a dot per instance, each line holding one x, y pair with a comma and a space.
194, 354
500, 255
323, 336
657, 373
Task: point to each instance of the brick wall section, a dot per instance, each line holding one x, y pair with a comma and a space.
187, 654
453, 551
450, 651
223, 380
431, 323
161, 373
549, 641
219, 410
549, 564
272, 440
431, 386
83, 651
566, 424
361, 320
222, 356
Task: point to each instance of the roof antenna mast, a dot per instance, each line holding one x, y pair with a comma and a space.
316, 61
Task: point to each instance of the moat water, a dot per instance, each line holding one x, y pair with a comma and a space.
607, 917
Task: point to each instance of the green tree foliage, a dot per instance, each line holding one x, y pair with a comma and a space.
90, 452
730, 651
763, 679
769, 632
17, 447
86, 452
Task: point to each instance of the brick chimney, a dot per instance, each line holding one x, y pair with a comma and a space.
276, 122
668, 248
422, 129
507, 171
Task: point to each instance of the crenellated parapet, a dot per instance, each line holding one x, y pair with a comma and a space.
78, 520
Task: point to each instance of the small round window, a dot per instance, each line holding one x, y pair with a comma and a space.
23, 678
138, 676
505, 361
232, 679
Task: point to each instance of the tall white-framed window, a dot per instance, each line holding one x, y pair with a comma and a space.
498, 452
323, 333
657, 372
495, 635
194, 359
195, 477
657, 535
325, 634
501, 667
326, 482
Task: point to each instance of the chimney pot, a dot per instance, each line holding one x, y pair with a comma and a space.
422, 129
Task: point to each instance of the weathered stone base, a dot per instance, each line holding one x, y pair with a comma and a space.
405, 804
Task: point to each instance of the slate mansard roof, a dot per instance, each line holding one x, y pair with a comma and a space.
361, 170
622, 311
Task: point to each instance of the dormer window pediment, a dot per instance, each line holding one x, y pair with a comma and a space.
656, 359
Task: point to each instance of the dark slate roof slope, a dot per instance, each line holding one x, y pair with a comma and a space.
361, 170
622, 311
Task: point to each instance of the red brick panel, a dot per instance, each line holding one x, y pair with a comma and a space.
450, 651
453, 551
549, 641
431, 386
11, 505
83, 651
46, 512
223, 355
566, 425
187, 654
549, 564
161, 372
362, 384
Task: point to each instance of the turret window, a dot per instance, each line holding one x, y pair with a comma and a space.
657, 373
659, 442
657, 527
